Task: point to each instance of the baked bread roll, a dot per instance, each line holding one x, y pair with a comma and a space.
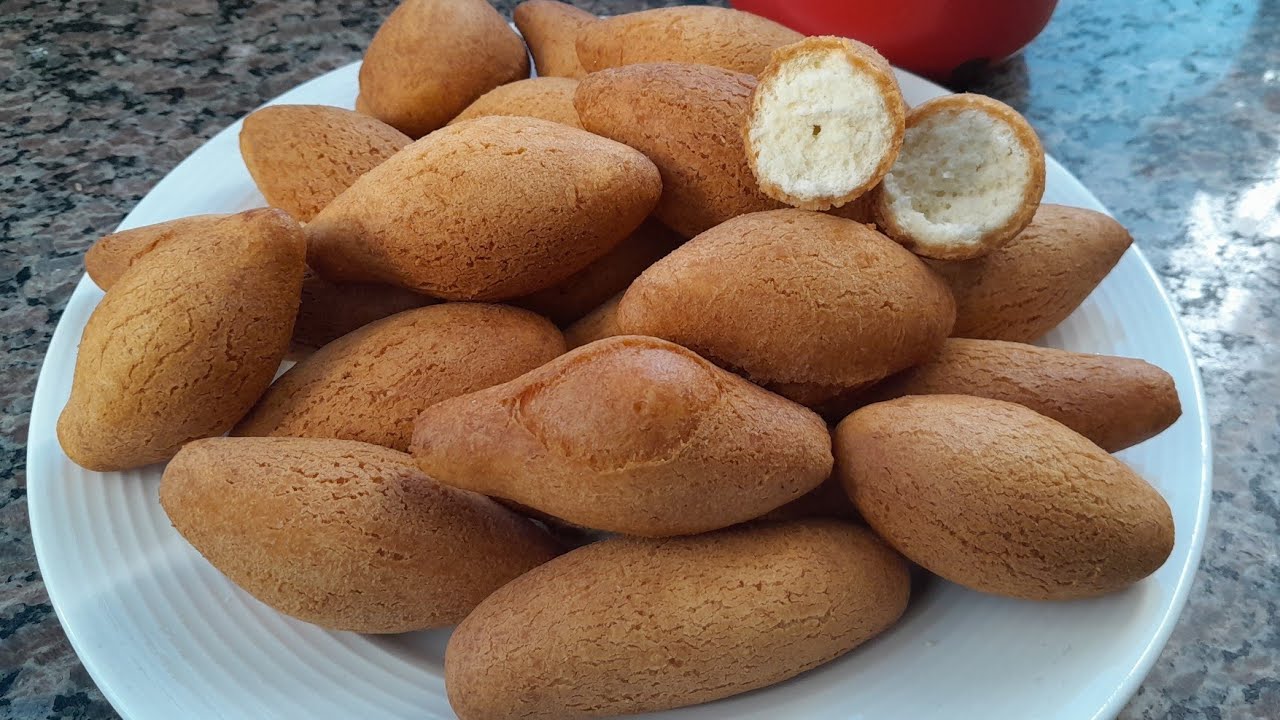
630, 625
804, 303
345, 535
826, 122
551, 30
698, 35
1115, 402
549, 98
328, 310
595, 325
968, 178
432, 218
303, 156
184, 342
370, 385
688, 120
998, 498
432, 58
632, 435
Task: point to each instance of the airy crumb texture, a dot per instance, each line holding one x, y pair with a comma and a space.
549, 98
551, 30
826, 123
969, 177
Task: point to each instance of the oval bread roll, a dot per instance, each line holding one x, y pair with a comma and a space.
303, 156
432, 218
184, 343
805, 303
370, 385
698, 35
432, 58
549, 98
631, 435
998, 498
329, 311
596, 325
688, 120
1029, 286
826, 122
551, 30
595, 284
630, 625
1115, 402
345, 535
968, 178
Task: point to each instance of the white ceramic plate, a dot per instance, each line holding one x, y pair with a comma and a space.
165, 635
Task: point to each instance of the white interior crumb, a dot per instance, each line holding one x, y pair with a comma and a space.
821, 127
959, 176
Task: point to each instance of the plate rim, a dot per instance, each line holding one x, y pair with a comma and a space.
1111, 707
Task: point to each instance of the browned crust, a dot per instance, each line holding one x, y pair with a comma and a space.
549, 98
700, 35
1024, 289
551, 30
595, 325
862, 57
112, 255
1116, 402
991, 241
303, 156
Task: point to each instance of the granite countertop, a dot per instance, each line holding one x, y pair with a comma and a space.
1168, 110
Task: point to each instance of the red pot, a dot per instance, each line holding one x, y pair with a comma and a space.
929, 37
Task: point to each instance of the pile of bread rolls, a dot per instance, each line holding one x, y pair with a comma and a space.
704, 288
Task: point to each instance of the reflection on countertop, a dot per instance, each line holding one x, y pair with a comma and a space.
1168, 110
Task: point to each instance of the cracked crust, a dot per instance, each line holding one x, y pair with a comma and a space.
429, 219
688, 120
345, 535
549, 98
998, 498
630, 625
1026, 288
370, 385
807, 304
303, 156
629, 434
1115, 402
328, 310
184, 343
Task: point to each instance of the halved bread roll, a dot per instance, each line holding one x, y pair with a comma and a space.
826, 122
969, 177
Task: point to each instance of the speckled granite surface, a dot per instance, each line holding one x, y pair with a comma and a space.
1169, 110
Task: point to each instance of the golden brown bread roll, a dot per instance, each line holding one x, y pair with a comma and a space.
1029, 286
431, 218
688, 120
551, 30
549, 98
630, 625
998, 498
805, 303
328, 310
828, 500
303, 156
184, 343
595, 284
371, 384
345, 535
629, 434
825, 124
700, 35
432, 58
968, 178
1116, 402
595, 325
